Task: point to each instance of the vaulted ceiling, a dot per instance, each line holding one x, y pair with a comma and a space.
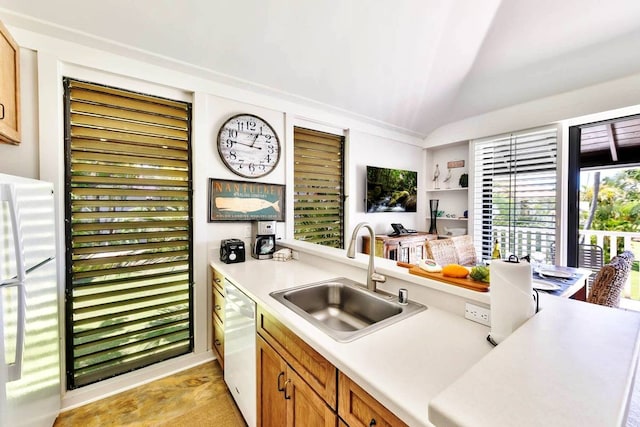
412, 65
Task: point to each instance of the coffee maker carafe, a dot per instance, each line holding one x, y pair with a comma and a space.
264, 239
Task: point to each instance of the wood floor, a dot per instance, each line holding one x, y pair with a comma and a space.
197, 397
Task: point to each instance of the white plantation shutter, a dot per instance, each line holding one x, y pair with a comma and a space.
514, 192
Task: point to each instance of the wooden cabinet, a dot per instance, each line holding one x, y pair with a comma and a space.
285, 399
317, 371
357, 408
9, 88
296, 385
405, 247
217, 290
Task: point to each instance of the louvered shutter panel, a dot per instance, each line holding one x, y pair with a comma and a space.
514, 192
318, 187
128, 231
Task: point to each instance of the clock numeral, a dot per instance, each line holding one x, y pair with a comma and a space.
233, 133
233, 155
252, 167
262, 167
267, 136
240, 163
230, 142
240, 127
270, 149
251, 126
268, 158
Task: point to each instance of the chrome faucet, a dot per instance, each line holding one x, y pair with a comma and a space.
372, 276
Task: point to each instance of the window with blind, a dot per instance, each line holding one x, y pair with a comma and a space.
318, 187
514, 192
128, 231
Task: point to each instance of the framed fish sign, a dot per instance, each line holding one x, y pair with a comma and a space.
245, 201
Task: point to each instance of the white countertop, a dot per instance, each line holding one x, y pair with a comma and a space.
437, 367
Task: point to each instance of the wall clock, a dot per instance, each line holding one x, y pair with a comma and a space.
248, 146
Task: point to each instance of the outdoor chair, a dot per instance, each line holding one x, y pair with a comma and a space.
610, 280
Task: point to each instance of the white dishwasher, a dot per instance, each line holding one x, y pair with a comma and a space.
240, 350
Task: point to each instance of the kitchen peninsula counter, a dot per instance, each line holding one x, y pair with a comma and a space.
571, 364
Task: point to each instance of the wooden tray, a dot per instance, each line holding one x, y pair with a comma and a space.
464, 283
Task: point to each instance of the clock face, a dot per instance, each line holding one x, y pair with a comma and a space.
248, 146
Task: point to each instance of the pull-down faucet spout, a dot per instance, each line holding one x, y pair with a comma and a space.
372, 276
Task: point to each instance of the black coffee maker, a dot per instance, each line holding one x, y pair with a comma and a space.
264, 239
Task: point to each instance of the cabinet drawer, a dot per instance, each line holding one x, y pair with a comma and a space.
218, 340
357, 408
218, 304
218, 280
317, 371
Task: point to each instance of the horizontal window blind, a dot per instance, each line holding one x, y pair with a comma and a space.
514, 195
318, 187
128, 217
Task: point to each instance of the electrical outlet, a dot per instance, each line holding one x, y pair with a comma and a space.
477, 314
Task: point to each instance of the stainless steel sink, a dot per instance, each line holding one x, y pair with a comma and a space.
344, 309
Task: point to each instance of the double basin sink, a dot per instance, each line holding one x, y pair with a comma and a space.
344, 309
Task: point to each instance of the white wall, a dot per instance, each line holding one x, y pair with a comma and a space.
591, 100
46, 60
365, 149
613, 99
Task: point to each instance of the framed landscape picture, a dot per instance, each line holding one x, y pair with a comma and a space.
245, 201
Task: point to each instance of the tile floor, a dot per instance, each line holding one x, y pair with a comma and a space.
197, 397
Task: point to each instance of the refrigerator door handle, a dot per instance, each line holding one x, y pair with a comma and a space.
14, 370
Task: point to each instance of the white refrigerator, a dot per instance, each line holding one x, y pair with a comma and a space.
29, 335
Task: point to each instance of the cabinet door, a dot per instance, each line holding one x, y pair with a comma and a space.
304, 407
218, 340
218, 280
308, 363
358, 408
9, 88
272, 373
218, 304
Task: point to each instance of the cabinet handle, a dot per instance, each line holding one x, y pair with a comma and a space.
218, 307
280, 375
217, 342
217, 280
372, 422
2, 114
285, 389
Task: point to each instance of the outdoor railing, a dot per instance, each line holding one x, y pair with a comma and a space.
529, 240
